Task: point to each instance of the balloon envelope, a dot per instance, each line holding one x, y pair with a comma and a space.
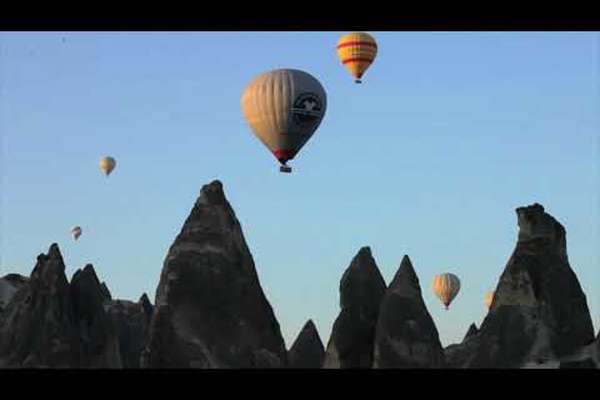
107, 164
76, 232
284, 108
489, 298
357, 51
446, 287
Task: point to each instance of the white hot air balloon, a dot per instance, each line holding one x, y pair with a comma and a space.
76, 232
446, 287
489, 298
107, 164
284, 108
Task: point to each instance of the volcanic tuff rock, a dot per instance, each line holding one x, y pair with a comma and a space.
539, 311
51, 323
37, 328
406, 336
210, 310
105, 292
456, 355
132, 321
9, 285
361, 290
471, 332
307, 350
98, 337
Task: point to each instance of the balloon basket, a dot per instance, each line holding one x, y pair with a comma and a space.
358, 81
285, 169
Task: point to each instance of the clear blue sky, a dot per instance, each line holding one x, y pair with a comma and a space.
449, 133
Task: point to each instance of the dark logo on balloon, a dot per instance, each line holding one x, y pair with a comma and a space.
307, 109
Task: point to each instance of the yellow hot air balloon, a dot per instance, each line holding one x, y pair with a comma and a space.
107, 164
284, 108
76, 232
489, 298
357, 51
446, 287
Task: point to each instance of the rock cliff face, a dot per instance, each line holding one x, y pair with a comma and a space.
51, 323
406, 336
539, 312
37, 328
307, 351
132, 322
9, 285
361, 290
98, 337
211, 311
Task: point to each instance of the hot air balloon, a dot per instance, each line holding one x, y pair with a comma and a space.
357, 51
489, 298
284, 108
76, 232
446, 287
107, 164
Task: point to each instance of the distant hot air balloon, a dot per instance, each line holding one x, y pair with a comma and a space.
446, 287
489, 298
357, 51
76, 232
107, 164
284, 108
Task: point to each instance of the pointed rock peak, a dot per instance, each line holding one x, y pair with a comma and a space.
307, 350
212, 194
535, 223
362, 281
53, 254
148, 308
49, 265
471, 332
87, 273
309, 329
54, 251
364, 251
144, 299
363, 263
405, 281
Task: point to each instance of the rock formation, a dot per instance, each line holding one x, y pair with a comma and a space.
132, 321
210, 310
406, 336
307, 350
50, 323
456, 355
539, 311
99, 345
361, 290
9, 285
37, 328
471, 332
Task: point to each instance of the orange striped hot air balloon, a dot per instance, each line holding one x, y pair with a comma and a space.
446, 287
357, 51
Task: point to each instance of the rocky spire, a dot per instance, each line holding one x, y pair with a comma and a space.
471, 332
361, 289
406, 336
540, 311
98, 337
210, 309
37, 329
307, 350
